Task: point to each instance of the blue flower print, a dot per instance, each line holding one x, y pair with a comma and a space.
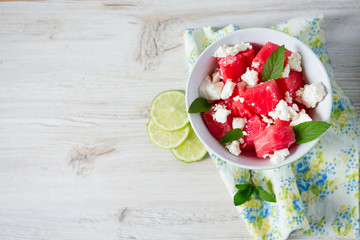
297, 204
302, 166
265, 210
319, 179
251, 214
303, 185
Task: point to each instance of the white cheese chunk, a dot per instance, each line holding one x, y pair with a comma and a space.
278, 155
295, 107
215, 77
210, 90
238, 98
255, 64
285, 72
250, 77
239, 122
300, 118
221, 113
267, 120
224, 50
282, 111
288, 98
227, 90
311, 94
294, 61
234, 147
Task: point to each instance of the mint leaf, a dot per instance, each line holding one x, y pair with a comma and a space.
199, 105
308, 131
264, 194
274, 64
242, 186
232, 135
243, 196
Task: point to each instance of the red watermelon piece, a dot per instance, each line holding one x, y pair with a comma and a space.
275, 137
282, 122
265, 52
232, 67
291, 84
217, 130
253, 128
238, 109
238, 91
263, 98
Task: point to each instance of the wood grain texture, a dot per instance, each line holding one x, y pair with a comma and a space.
76, 82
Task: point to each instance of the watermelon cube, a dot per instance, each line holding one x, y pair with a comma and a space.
290, 84
232, 67
275, 137
253, 128
217, 130
282, 122
264, 53
238, 109
263, 98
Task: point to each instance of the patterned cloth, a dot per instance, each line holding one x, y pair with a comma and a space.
318, 195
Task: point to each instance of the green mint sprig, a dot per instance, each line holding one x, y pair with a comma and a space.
199, 105
247, 190
308, 131
274, 64
232, 135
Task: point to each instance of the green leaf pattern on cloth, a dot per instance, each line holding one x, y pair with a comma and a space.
318, 195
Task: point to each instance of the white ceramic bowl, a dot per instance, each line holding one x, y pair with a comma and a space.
313, 71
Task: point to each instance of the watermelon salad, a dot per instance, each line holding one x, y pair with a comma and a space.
265, 111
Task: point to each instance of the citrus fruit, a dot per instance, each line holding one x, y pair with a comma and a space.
168, 110
166, 139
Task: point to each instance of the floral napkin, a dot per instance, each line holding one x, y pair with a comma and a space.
318, 195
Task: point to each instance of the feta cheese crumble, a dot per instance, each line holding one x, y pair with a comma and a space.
311, 94
301, 117
250, 77
227, 90
224, 50
288, 98
210, 90
278, 155
267, 120
282, 111
238, 98
295, 61
285, 72
234, 147
295, 107
238, 122
255, 64
216, 77
221, 113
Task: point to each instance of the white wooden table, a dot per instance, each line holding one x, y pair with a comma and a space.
76, 82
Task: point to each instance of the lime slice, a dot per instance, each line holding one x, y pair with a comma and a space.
166, 139
168, 110
191, 150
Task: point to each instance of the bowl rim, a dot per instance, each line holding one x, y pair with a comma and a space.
219, 42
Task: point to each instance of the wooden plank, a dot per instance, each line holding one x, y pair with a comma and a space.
76, 82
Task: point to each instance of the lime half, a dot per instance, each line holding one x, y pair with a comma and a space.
191, 150
166, 139
168, 110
